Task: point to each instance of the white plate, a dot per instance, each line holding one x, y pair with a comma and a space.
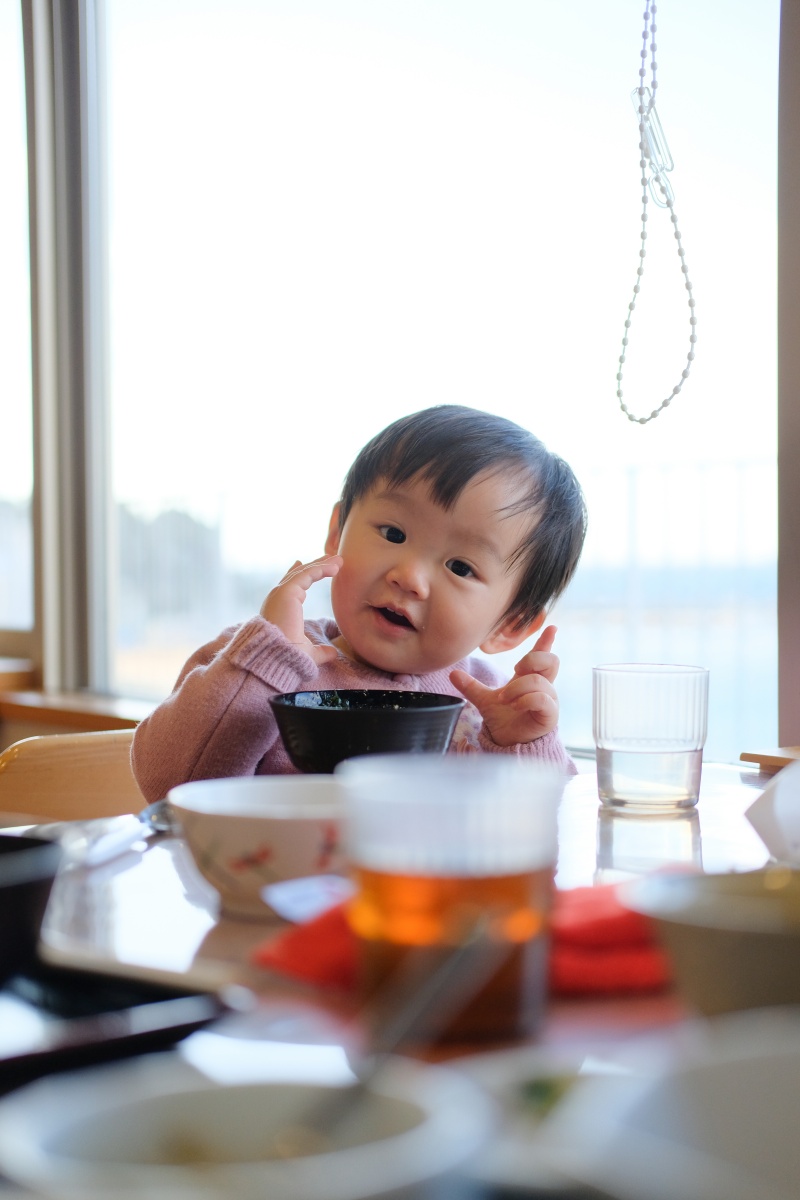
117, 1131
721, 1124
526, 1083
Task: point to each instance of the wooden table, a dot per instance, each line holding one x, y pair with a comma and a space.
150, 910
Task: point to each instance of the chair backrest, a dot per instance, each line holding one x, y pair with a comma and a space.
69, 777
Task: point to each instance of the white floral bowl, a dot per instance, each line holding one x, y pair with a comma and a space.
248, 833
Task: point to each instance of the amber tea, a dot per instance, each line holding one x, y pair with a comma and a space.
395, 916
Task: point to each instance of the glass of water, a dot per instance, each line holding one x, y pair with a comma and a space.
650, 722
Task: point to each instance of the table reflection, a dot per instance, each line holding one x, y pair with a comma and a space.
628, 845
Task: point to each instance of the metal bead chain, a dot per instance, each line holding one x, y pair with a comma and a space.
667, 202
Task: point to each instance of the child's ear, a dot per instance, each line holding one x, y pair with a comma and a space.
508, 636
334, 532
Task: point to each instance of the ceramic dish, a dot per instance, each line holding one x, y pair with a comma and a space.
156, 1127
719, 1123
733, 938
528, 1084
247, 833
322, 729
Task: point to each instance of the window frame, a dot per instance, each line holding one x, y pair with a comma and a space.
788, 251
62, 58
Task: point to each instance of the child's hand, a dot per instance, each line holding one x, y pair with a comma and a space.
284, 604
526, 707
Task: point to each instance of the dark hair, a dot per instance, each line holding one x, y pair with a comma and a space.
449, 445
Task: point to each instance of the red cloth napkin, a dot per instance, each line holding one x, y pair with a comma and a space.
598, 947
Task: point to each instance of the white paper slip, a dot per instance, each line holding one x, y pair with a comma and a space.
775, 815
301, 900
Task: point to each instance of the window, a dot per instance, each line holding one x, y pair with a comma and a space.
382, 206
322, 215
16, 476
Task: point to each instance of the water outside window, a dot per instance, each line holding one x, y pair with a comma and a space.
16, 475
324, 215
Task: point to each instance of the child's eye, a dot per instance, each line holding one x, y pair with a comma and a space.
392, 533
459, 568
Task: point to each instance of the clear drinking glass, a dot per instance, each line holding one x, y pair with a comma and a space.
650, 723
436, 844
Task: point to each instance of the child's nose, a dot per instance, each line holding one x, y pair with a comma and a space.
410, 576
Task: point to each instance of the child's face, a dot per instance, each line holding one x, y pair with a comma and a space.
421, 588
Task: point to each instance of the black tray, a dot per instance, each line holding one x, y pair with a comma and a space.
55, 1018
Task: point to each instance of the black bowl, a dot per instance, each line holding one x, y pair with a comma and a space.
28, 866
321, 729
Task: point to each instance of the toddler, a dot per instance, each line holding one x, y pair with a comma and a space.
455, 530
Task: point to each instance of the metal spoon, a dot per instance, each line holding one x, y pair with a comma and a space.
89, 843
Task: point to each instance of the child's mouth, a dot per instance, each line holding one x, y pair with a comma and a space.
395, 618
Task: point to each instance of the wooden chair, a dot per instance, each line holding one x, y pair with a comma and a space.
69, 777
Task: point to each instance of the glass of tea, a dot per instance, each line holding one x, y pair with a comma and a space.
441, 848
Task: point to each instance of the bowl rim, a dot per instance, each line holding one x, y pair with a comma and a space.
701, 903
467, 766
449, 1131
248, 797
444, 702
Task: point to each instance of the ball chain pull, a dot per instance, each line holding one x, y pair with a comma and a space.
655, 161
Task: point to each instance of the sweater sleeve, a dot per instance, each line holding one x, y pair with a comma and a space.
471, 735
217, 722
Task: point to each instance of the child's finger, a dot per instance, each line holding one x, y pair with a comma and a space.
471, 689
546, 638
284, 604
520, 691
313, 571
539, 704
538, 662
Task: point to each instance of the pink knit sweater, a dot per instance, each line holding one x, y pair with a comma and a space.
218, 722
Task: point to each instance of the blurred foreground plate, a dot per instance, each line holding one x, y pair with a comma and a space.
528, 1083
157, 1127
721, 1124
